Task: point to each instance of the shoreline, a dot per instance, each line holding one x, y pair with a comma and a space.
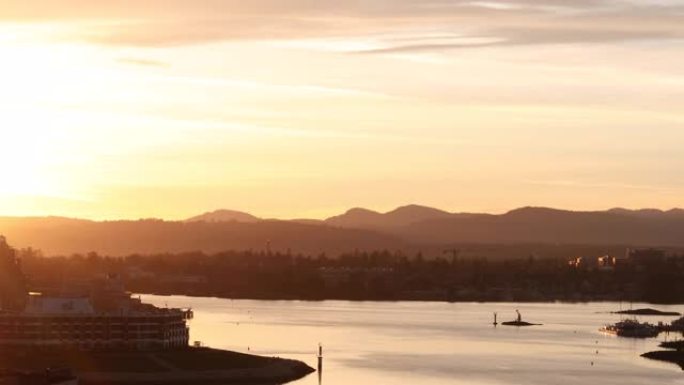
395, 300
675, 354
670, 356
184, 366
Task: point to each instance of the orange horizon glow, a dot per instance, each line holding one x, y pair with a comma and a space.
112, 110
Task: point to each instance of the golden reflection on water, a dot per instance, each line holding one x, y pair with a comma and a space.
432, 343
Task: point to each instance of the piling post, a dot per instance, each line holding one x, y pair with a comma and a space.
320, 357
320, 363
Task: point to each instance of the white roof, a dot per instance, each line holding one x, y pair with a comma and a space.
58, 305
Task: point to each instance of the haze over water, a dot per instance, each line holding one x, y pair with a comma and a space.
430, 343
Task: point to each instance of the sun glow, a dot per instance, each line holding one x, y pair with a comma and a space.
38, 81
133, 110
25, 156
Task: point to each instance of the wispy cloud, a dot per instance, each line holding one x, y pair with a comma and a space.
464, 24
143, 62
291, 90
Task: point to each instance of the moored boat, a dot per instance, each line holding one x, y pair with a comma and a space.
631, 328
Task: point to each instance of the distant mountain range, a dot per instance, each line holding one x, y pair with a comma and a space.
410, 227
225, 216
402, 216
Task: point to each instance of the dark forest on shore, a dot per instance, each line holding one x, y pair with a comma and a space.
379, 275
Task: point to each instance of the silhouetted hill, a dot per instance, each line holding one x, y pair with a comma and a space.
650, 213
66, 236
224, 216
409, 228
357, 218
414, 213
402, 216
543, 225
308, 221
533, 225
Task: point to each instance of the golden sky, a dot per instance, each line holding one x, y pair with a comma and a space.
304, 108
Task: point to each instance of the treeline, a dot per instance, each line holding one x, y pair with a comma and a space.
379, 275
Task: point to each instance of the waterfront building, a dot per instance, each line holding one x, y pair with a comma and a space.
105, 318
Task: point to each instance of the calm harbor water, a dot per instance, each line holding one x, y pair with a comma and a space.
429, 343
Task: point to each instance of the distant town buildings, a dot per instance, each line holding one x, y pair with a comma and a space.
602, 263
635, 258
106, 317
606, 263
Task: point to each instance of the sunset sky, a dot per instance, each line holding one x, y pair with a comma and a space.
305, 108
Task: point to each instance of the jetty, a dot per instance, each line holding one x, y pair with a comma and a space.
674, 326
183, 366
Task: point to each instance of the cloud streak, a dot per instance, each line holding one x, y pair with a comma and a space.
500, 23
143, 62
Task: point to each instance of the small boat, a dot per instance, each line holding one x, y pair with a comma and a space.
631, 328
